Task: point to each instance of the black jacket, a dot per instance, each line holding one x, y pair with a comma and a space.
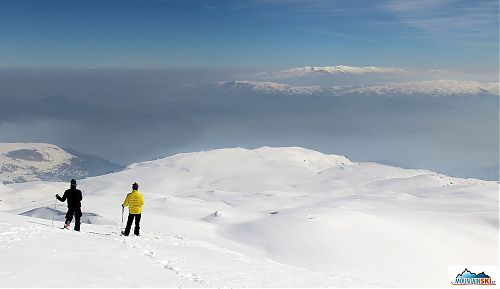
74, 197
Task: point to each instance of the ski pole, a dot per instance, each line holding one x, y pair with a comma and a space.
54, 213
123, 209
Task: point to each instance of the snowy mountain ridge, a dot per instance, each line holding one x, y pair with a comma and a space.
337, 69
26, 162
430, 87
268, 87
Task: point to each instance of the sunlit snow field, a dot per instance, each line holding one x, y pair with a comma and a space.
269, 217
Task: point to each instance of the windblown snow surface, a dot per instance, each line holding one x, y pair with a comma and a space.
269, 217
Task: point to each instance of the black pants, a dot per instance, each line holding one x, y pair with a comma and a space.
129, 224
69, 216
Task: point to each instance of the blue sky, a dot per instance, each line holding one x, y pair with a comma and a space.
257, 34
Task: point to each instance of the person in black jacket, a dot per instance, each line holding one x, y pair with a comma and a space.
74, 197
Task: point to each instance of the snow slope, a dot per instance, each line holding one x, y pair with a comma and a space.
25, 162
269, 217
22, 161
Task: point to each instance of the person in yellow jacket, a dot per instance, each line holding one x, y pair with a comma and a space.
134, 201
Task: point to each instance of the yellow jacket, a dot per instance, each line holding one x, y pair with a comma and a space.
135, 201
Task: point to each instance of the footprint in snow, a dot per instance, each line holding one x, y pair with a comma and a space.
149, 254
193, 277
167, 265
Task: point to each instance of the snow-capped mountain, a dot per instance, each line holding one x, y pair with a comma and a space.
267, 87
268, 217
343, 75
431, 87
337, 69
24, 162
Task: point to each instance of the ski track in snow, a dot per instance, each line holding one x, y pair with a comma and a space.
181, 255
74, 245
148, 245
196, 263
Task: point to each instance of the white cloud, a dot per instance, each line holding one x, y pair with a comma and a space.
468, 23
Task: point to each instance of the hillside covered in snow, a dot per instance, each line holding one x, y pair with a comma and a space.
431, 88
268, 217
25, 162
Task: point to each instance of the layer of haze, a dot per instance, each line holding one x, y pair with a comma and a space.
135, 115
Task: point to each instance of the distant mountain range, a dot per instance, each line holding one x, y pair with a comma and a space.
268, 87
25, 162
431, 87
337, 69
